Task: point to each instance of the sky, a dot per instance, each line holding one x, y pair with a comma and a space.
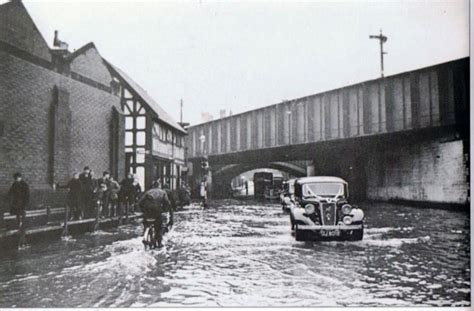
242, 55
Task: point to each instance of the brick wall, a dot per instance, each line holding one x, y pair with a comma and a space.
27, 96
27, 144
61, 140
86, 65
18, 29
52, 124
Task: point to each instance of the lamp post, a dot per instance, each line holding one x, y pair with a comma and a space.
382, 40
202, 138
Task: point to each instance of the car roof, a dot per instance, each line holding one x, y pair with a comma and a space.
314, 179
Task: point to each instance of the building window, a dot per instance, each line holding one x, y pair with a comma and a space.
140, 155
156, 130
128, 123
141, 123
177, 140
162, 134
141, 138
128, 138
141, 176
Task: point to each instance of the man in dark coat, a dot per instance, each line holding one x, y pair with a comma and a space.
74, 196
184, 195
126, 194
87, 188
153, 203
138, 192
19, 196
171, 196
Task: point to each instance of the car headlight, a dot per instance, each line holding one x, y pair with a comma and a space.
347, 220
346, 209
309, 208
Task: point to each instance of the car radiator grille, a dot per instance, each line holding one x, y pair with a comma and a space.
328, 213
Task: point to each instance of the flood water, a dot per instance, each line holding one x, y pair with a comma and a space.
242, 254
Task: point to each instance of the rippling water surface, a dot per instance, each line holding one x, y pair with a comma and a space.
241, 254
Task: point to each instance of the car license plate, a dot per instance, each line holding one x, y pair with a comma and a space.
329, 233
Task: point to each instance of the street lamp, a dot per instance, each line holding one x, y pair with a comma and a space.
382, 40
202, 138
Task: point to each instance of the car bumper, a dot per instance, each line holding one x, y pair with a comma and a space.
340, 227
330, 233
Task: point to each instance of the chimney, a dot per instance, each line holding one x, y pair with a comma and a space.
59, 52
58, 43
55, 41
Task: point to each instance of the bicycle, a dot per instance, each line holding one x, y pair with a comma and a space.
149, 236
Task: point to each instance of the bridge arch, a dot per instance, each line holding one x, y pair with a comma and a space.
222, 177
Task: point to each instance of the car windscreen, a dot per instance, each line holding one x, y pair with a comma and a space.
323, 189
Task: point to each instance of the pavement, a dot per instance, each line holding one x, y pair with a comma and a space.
38, 230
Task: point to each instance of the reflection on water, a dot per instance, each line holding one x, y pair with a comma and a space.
244, 255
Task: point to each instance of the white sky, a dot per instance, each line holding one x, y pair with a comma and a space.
245, 55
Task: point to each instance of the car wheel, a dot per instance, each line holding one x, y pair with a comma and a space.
299, 234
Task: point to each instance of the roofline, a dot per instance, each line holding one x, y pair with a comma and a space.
81, 50
334, 90
111, 67
20, 2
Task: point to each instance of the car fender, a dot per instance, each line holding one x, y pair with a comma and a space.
298, 215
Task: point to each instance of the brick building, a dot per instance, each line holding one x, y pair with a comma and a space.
61, 111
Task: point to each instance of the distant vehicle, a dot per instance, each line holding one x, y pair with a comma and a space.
271, 193
322, 211
273, 190
278, 183
262, 181
287, 196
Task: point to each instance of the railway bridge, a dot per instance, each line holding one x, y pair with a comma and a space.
400, 138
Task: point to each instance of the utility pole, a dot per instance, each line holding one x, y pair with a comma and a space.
181, 112
382, 40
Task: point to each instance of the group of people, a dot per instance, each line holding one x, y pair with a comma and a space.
104, 197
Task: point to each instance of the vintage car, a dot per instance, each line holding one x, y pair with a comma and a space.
287, 195
321, 211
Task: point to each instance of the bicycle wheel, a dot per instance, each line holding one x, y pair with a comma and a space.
152, 237
146, 242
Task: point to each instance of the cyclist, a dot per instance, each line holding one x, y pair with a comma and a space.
154, 203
